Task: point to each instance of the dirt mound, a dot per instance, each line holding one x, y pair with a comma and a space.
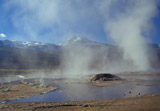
104, 77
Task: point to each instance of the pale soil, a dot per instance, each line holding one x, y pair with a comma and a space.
22, 90
144, 103
127, 80
106, 83
110, 83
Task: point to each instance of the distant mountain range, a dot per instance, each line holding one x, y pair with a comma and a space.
41, 46
28, 45
72, 41
78, 41
18, 54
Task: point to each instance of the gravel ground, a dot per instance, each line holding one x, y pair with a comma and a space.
144, 103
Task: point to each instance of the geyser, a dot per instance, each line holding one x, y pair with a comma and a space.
128, 25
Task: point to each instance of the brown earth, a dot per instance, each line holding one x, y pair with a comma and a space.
22, 90
144, 103
109, 83
16, 91
105, 83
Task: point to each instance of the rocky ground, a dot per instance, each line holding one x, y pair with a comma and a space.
22, 90
26, 89
107, 79
144, 103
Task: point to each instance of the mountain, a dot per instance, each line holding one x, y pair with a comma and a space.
19, 44
77, 40
32, 45
28, 45
15, 58
18, 54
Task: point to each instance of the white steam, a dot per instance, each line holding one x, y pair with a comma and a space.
127, 27
127, 22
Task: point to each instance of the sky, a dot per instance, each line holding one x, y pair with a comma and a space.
53, 21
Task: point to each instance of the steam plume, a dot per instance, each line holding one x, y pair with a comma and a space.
127, 25
125, 21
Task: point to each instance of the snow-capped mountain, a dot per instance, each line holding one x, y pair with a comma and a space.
78, 41
18, 54
72, 41
13, 43
27, 44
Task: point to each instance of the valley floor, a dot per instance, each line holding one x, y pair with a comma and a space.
143, 103
140, 103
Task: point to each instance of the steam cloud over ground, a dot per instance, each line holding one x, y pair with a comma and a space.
129, 26
128, 29
127, 23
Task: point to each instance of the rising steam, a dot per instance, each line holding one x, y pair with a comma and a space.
127, 28
127, 25
126, 22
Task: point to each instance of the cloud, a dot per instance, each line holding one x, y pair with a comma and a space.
127, 22
41, 19
2, 35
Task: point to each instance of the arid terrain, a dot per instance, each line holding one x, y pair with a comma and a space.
144, 103
22, 90
27, 88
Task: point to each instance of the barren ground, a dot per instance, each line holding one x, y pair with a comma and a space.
144, 103
22, 90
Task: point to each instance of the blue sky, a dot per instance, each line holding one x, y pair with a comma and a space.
55, 20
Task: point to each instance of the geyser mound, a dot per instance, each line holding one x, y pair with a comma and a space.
104, 77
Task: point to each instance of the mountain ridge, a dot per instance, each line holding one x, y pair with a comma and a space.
18, 54
75, 40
